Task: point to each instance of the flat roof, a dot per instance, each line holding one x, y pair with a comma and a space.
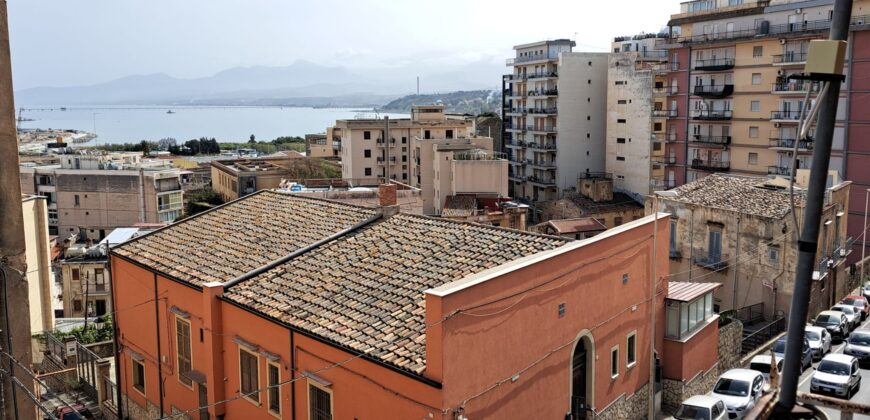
683, 291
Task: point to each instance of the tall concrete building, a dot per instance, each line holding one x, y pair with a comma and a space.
554, 110
636, 109
736, 109
89, 195
438, 153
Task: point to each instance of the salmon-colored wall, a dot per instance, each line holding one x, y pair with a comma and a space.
683, 360
360, 388
479, 351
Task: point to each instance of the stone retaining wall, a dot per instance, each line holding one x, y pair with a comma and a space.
630, 407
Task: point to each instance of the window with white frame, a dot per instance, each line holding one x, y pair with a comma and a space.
631, 349
182, 350
138, 375
684, 318
273, 374
614, 362
319, 403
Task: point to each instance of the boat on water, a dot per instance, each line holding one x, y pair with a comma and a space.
170, 111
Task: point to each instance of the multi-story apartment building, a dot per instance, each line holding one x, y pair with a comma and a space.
438, 153
319, 146
554, 110
636, 110
89, 195
730, 63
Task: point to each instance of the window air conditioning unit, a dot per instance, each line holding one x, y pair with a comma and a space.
782, 41
780, 72
859, 22
798, 11
776, 125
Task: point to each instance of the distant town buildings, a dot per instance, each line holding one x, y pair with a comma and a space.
738, 231
319, 146
355, 312
90, 194
555, 104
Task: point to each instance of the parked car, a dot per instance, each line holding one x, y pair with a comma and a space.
806, 355
866, 291
739, 389
837, 374
702, 407
75, 411
835, 322
852, 317
858, 346
860, 303
820, 341
761, 363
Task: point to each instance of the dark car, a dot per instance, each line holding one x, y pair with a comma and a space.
806, 355
835, 322
858, 346
72, 412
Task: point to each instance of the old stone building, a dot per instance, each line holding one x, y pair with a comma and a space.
595, 198
739, 231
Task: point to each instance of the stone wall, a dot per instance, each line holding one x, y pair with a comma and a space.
633, 406
135, 411
675, 392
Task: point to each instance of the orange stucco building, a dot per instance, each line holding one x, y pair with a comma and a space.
281, 306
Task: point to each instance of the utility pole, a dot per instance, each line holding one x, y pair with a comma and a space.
14, 319
808, 242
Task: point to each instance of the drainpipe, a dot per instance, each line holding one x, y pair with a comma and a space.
736, 267
116, 338
691, 240
292, 377
688, 109
159, 356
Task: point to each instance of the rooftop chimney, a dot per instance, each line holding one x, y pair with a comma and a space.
387, 198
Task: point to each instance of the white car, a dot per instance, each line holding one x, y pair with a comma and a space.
866, 291
761, 363
702, 407
820, 341
853, 317
837, 374
739, 389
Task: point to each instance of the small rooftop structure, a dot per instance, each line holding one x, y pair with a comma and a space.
585, 225
682, 291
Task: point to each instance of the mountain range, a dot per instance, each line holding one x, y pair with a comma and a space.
299, 84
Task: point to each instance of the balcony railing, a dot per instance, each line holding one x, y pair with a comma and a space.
527, 59
541, 146
551, 110
785, 28
546, 182
595, 175
662, 184
515, 161
713, 91
515, 143
543, 164
710, 261
518, 110
664, 160
665, 113
666, 90
714, 64
707, 115
526, 76
779, 170
711, 165
787, 115
790, 58
805, 145
715, 140
543, 92
381, 160
794, 87
546, 130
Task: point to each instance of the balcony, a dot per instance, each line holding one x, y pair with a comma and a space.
711, 165
779, 170
526, 76
336, 143
543, 164
542, 111
664, 160
788, 144
714, 91
595, 175
516, 162
662, 184
665, 90
541, 146
516, 177
785, 116
790, 58
515, 143
664, 113
707, 115
794, 87
710, 261
531, 58
381, 142
784, 28
541, 130
712, 140
541, 181
381, 160
543, 92
518, 111
714, 64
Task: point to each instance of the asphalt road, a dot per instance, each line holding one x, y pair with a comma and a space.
863, 395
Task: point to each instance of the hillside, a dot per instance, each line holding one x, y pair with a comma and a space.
472, 102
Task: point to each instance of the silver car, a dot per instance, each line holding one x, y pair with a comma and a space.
858, 346
820, 341
739, 389
853, 317
837, 374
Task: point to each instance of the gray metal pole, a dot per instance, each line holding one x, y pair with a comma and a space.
808, 242
14, 319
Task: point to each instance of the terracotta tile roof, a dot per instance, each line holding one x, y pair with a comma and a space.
740, 194
583, 224
365, 290
233, 239
688, 291
459, 206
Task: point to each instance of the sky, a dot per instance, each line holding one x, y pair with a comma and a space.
82, 42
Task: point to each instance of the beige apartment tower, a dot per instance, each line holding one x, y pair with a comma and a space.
554, 113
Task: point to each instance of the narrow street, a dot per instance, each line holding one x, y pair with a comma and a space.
863, 395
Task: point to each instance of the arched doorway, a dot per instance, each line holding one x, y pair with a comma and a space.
582, 376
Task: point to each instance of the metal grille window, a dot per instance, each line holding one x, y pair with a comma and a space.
320, 403
274, 375
182, 347
249, 370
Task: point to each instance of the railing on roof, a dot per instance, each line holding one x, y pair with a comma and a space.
530, 58
595, 175
479, 155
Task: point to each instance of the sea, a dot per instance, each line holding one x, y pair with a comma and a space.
132, 124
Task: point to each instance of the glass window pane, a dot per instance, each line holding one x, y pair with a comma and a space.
673, 316
684, 318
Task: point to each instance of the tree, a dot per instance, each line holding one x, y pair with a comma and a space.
253, 139
166, 143
146, 148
